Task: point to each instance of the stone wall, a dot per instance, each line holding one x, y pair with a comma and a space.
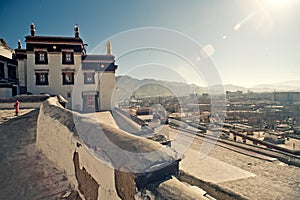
26, 101
90, 163
59, 141
24, 105
5, 92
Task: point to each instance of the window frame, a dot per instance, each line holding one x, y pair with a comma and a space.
86, 81
42, 57
38, 79
69, 74
2, 66
64, 58
11, 72
38, 57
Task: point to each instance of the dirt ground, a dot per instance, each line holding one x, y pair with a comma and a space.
8, 114
25, 173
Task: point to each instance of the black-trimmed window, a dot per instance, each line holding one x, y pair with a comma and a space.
41, 78
68, 78
89, 78
2, 73
11, 72
68, 58
41, 57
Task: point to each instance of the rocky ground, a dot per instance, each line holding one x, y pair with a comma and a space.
24, 172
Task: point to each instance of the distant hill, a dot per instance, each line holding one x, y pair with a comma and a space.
150, 87
282, 86
232, 88
294, 83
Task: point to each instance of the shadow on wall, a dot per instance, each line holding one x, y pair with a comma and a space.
87, 185
94, 176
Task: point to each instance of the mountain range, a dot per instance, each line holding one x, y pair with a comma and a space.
129, 86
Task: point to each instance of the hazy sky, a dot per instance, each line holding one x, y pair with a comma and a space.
249, 41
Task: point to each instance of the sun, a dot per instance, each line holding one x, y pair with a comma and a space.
279, 4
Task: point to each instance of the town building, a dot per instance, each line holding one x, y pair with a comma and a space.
287, 97
60, 66
8, 71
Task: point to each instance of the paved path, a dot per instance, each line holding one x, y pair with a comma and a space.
24, 172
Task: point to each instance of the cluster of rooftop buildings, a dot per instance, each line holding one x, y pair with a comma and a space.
273, 117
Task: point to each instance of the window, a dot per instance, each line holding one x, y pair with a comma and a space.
41, 78
2, 74
11, 72
41, 57
68, 78
68, 58
89, 78
69, 95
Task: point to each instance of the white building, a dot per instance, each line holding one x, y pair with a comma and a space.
60, 66
8, 72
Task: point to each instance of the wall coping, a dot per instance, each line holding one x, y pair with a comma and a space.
110, 144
